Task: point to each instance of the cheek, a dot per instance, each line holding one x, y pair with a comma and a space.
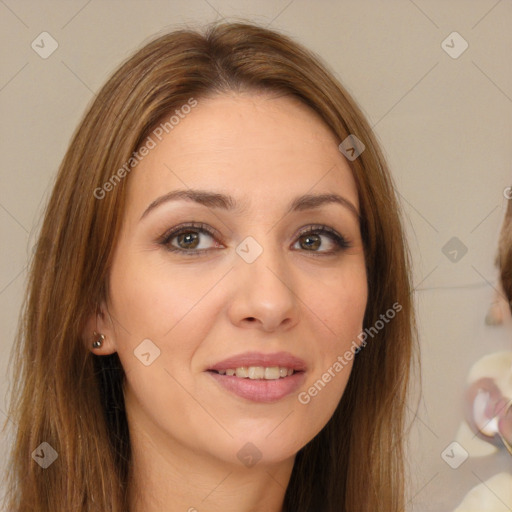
150, 300
174, 311
341, 302
340, 306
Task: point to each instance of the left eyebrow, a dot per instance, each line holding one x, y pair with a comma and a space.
225, 202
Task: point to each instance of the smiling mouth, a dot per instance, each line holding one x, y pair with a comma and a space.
258, 372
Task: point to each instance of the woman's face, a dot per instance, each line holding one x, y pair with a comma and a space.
241, 269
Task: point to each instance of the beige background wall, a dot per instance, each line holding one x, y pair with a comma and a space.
445, 124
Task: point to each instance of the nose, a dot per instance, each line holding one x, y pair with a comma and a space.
264, 293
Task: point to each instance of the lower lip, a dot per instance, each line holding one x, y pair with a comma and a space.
260, 390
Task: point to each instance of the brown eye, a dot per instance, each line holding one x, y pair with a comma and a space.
189, 239
311, 240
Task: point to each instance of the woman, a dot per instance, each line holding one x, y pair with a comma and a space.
219, 314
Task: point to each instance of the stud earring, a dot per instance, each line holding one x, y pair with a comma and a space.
98, 342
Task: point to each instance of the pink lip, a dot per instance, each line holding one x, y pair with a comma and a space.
260, 390
284, 359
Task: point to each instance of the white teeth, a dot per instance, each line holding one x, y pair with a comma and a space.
258, 372
272, 373
242, 372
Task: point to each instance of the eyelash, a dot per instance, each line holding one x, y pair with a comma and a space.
340, 241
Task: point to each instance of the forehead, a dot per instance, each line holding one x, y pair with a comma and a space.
252, 146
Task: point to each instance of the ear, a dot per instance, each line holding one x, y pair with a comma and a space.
100, 322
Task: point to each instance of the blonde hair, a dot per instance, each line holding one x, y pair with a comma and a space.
64, 395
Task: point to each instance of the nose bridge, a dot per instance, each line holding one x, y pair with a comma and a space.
263, 265
265, 287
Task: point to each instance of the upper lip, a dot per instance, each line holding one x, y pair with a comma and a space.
283, 359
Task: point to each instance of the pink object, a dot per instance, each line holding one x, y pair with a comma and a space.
489, 413
260, 390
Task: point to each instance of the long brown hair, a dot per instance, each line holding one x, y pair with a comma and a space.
73, 400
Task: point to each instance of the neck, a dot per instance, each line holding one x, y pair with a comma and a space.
166, 476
